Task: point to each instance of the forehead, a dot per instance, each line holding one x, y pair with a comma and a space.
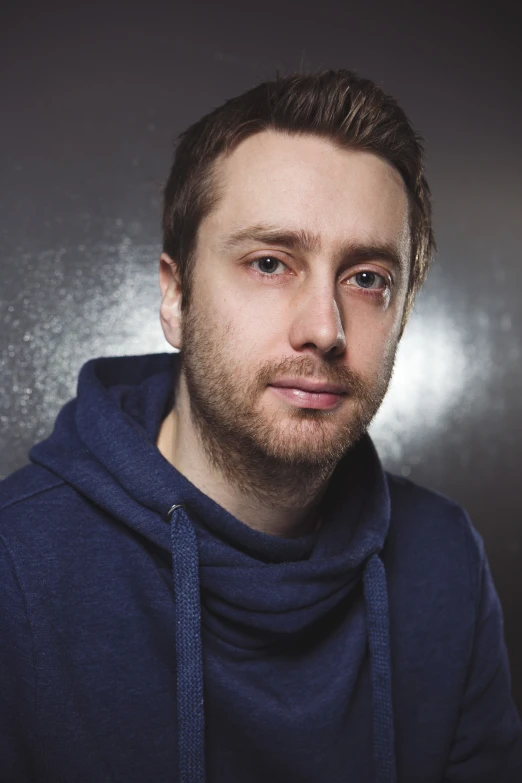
309, 183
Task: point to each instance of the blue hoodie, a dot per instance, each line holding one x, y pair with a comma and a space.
146, 635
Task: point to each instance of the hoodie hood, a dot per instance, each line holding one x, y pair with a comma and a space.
276, 590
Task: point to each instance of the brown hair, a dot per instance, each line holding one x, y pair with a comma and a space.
339, 105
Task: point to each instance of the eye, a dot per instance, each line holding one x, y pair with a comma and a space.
268, 265
369, 281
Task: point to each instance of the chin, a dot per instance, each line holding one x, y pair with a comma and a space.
316, 447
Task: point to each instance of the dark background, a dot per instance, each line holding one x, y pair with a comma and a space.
92, 97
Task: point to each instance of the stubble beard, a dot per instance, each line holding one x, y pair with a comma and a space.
287, 459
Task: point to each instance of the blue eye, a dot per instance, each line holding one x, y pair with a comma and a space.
369, 280
268, 265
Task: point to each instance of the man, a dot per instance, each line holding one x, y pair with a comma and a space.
206, 574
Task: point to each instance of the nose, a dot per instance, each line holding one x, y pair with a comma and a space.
317, 324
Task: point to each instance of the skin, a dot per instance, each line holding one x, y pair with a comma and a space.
265, 311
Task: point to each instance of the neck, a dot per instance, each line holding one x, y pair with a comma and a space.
278, 502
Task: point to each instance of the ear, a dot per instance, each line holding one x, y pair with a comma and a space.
170, 308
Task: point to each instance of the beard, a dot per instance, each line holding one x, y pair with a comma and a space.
288, 453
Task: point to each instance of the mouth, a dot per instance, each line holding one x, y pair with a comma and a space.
309, 385
308, 393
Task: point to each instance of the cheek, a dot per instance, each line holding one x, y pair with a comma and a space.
246, 324
371, 342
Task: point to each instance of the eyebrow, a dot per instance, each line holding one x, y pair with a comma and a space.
308, 242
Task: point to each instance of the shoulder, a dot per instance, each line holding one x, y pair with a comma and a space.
26, 485
30, 499
50, 535
432, 535
419, 510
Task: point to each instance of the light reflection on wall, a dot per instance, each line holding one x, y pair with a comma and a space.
441, 371
75, 303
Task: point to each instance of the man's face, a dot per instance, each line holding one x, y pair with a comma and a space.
298, 292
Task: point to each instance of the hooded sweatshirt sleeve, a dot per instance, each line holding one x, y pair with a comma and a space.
17, 676
488, 741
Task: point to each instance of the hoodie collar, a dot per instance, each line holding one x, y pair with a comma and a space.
104, 444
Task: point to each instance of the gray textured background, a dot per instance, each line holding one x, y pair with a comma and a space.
92, 97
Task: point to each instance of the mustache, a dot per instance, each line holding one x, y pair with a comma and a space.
306, 367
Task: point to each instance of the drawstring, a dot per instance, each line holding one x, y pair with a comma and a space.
189, 661
191, 718
377, 619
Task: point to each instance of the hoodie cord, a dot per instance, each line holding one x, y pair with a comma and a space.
189, 660
377, 619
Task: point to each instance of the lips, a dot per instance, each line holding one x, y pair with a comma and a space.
308, 393
309, 385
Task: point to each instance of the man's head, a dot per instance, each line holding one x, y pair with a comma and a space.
350, 111
296, 234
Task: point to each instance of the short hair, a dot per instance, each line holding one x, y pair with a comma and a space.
352, 112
